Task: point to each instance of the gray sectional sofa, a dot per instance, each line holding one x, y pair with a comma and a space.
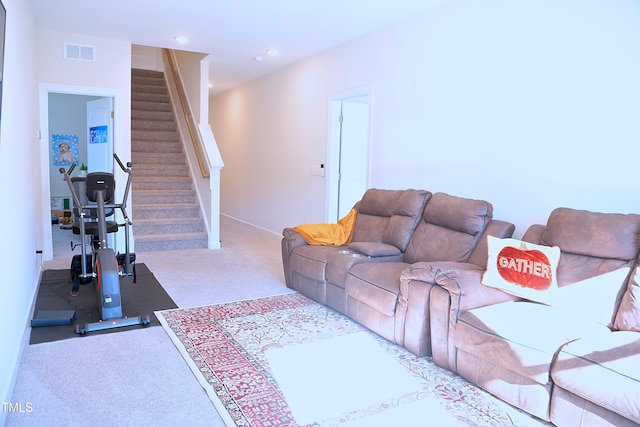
413, 273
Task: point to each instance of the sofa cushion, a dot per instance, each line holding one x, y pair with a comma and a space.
389, 216
340, 263
592, 299
523, 269
449, 229
376, 284
603, 369
592, 243
628, 315
520, 336
406, 214
374, 249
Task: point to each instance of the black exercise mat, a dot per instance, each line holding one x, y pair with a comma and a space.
143, 298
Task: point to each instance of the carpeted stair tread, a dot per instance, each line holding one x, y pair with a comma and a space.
181, 226
146, 197
176, 210
170, 236
155, 135
143, 105
171, 242
160, 184
144, 88
154, 125
144, 146
150, 182
151, 116
150, 97
158, 158
162, 170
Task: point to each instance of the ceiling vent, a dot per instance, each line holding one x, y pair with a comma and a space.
79, 52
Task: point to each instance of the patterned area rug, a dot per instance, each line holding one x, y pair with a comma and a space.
263, 361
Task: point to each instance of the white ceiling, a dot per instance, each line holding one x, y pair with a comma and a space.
232, 32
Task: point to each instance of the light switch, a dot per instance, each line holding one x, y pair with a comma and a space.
317, 170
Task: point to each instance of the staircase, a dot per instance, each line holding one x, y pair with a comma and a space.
165, 210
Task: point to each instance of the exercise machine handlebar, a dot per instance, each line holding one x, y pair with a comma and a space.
126, 170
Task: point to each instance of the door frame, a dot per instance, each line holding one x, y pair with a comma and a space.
333, 146
43, 136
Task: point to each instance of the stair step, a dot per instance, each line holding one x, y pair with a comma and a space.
152, 116
139, 72
149, 87
164, 211
153, 135
163, 196
144, 146
150, 106
157, 125
139, 81
150, 97
152, 227
161, 184
169, 159
171, 242
160, 171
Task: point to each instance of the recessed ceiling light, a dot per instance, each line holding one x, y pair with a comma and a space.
258, 58
210, 85
182, 39
272, 52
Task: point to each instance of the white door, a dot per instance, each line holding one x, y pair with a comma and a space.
100, 141
100, 135
354, 153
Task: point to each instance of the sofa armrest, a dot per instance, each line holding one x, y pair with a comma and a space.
290, 239
461, 280
457, 288
293, 238
416, 283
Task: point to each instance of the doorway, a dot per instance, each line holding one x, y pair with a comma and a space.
349, 148
52, 115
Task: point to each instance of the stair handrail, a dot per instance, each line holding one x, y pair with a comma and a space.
194, 131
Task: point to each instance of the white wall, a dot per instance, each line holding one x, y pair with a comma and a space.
189, 64
530, 105
19, 189
147, 58
34, 59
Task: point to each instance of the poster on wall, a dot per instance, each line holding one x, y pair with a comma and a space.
98, 135
64, 149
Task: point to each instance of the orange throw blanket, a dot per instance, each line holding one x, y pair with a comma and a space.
329, 234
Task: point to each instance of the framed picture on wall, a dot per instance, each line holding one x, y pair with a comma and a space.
64, 149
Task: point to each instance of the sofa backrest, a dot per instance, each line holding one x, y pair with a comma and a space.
495, 228
590, 243
449, 229
389, 216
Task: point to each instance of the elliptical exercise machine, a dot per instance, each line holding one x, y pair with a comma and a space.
105, 267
